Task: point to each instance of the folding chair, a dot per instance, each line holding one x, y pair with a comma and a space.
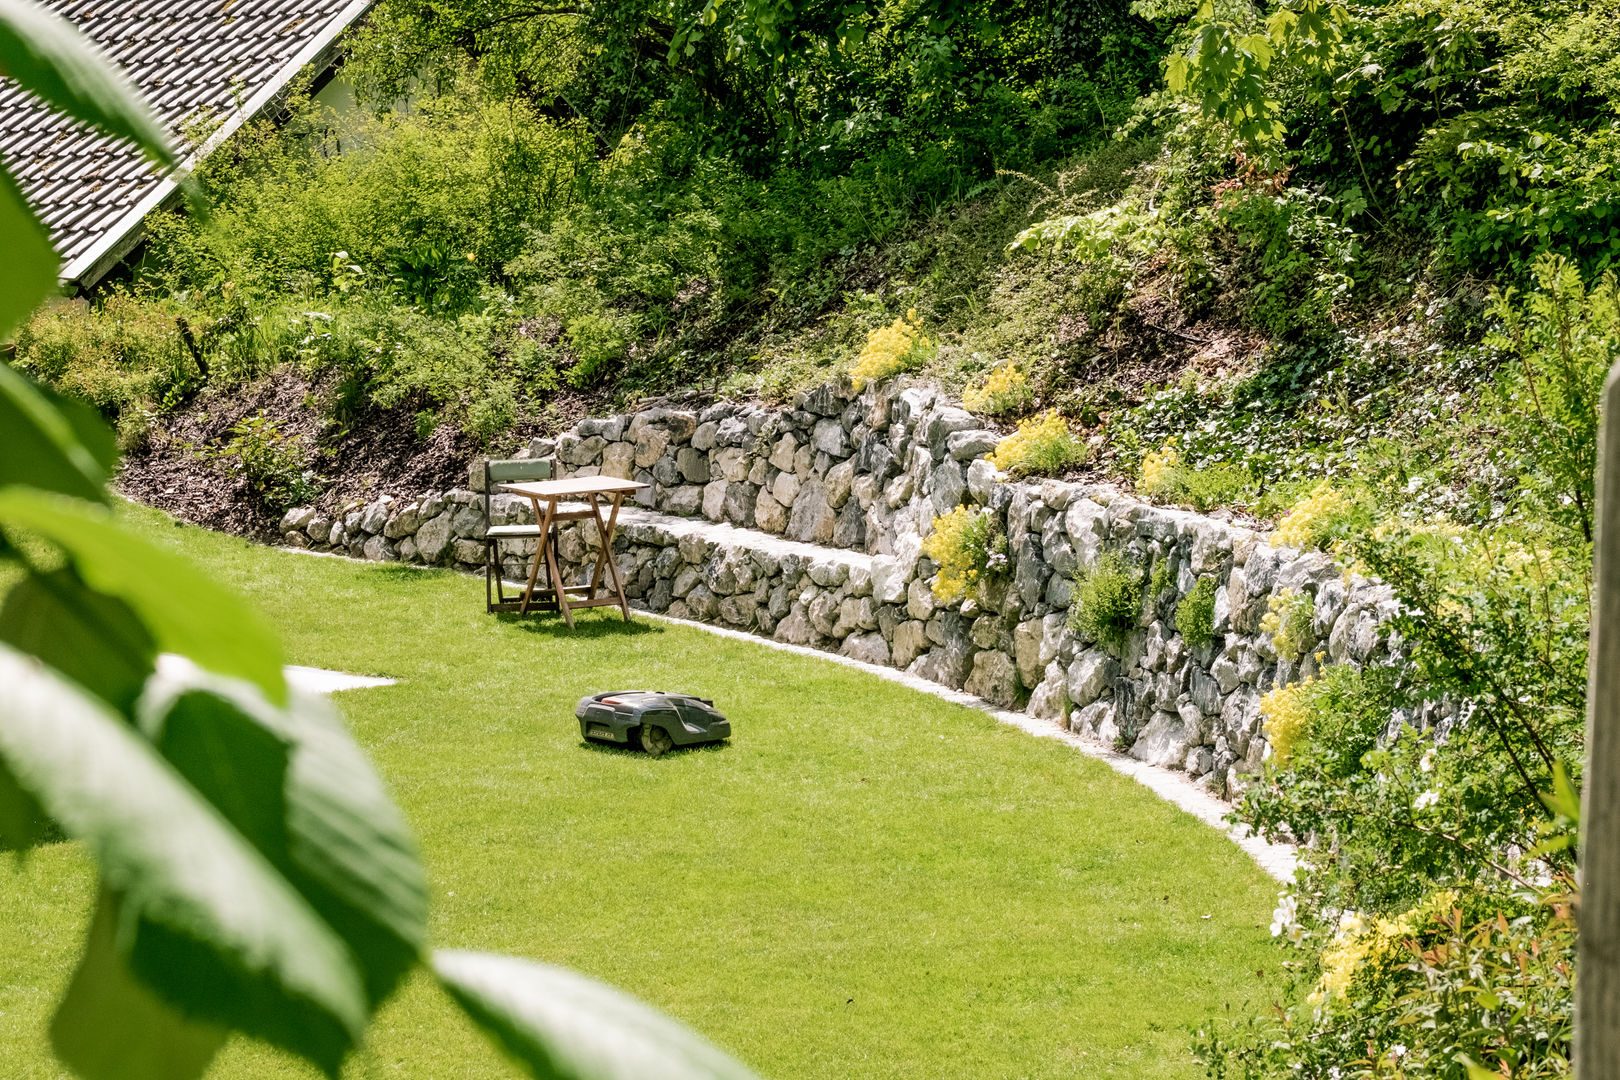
516, 471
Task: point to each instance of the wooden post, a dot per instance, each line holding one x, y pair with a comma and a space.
1597, 983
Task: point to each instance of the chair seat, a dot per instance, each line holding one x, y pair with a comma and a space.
512, 532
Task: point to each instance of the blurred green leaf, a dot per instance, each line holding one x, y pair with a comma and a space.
28, 272
294, 782
49, 58
563, 1026
42, 449
110, 1027
22, 823
92, 638
185, 611
206, 923
92, 431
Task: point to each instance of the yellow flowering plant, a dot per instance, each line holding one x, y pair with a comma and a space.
1288, 622
1042, 446
1006, 389
1158, 468
1287, 713
1166, 475
889, 350
967, 545
1365, 945
1315, 520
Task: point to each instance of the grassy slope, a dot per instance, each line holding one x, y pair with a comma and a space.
868, 882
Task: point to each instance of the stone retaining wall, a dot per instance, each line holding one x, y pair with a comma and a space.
806, 524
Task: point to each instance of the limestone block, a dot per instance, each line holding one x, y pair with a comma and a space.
981, 480
824, 611
828, 573
714, 499
1163, 742
769, 515
946, 487
785, 488
870, 648
1096, 721
738, 505
910, 639
619, 459
919, 599
703, 603
811, 519
945, 421
319, 528
432, 537
1027, 651
994, 678
297, 519
782, 453
795, 628
840, 480
1092, 672
830, 438
375, 516
734, 432
738, 610
968, 445
683, 501
470, 552
1050, 698
403, 523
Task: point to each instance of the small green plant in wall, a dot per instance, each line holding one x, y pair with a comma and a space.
1107, 601
1195, 615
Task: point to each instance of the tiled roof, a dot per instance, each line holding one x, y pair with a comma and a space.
192, 59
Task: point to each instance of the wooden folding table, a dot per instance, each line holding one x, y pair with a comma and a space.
552, 492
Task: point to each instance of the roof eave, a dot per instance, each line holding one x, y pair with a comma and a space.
111, 247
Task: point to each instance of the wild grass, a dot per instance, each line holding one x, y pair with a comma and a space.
864, 882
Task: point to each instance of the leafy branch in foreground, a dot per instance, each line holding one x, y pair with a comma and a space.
255, 876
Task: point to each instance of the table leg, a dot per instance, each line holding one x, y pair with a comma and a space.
557, 581
544, 521
606, 554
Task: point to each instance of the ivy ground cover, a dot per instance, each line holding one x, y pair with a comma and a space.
865, 882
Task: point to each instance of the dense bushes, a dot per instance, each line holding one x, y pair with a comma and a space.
1431, 909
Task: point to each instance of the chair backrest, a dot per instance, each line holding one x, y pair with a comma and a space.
516, 471
512, 471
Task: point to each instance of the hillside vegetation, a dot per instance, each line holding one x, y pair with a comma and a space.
1346, 267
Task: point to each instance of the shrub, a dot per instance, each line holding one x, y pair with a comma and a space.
113, 355
968, 546
1042, 446
1456, 986
1005, 390
890, 350
1315, 520
1195, 615
1107, 601
1164, 475
1288, 618
270, 461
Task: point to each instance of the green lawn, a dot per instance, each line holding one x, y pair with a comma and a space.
866, 882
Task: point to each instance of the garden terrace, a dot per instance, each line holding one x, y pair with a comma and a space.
808, 525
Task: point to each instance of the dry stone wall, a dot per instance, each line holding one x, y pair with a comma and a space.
806, 524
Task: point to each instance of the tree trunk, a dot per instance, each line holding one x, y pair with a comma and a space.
1597, 993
